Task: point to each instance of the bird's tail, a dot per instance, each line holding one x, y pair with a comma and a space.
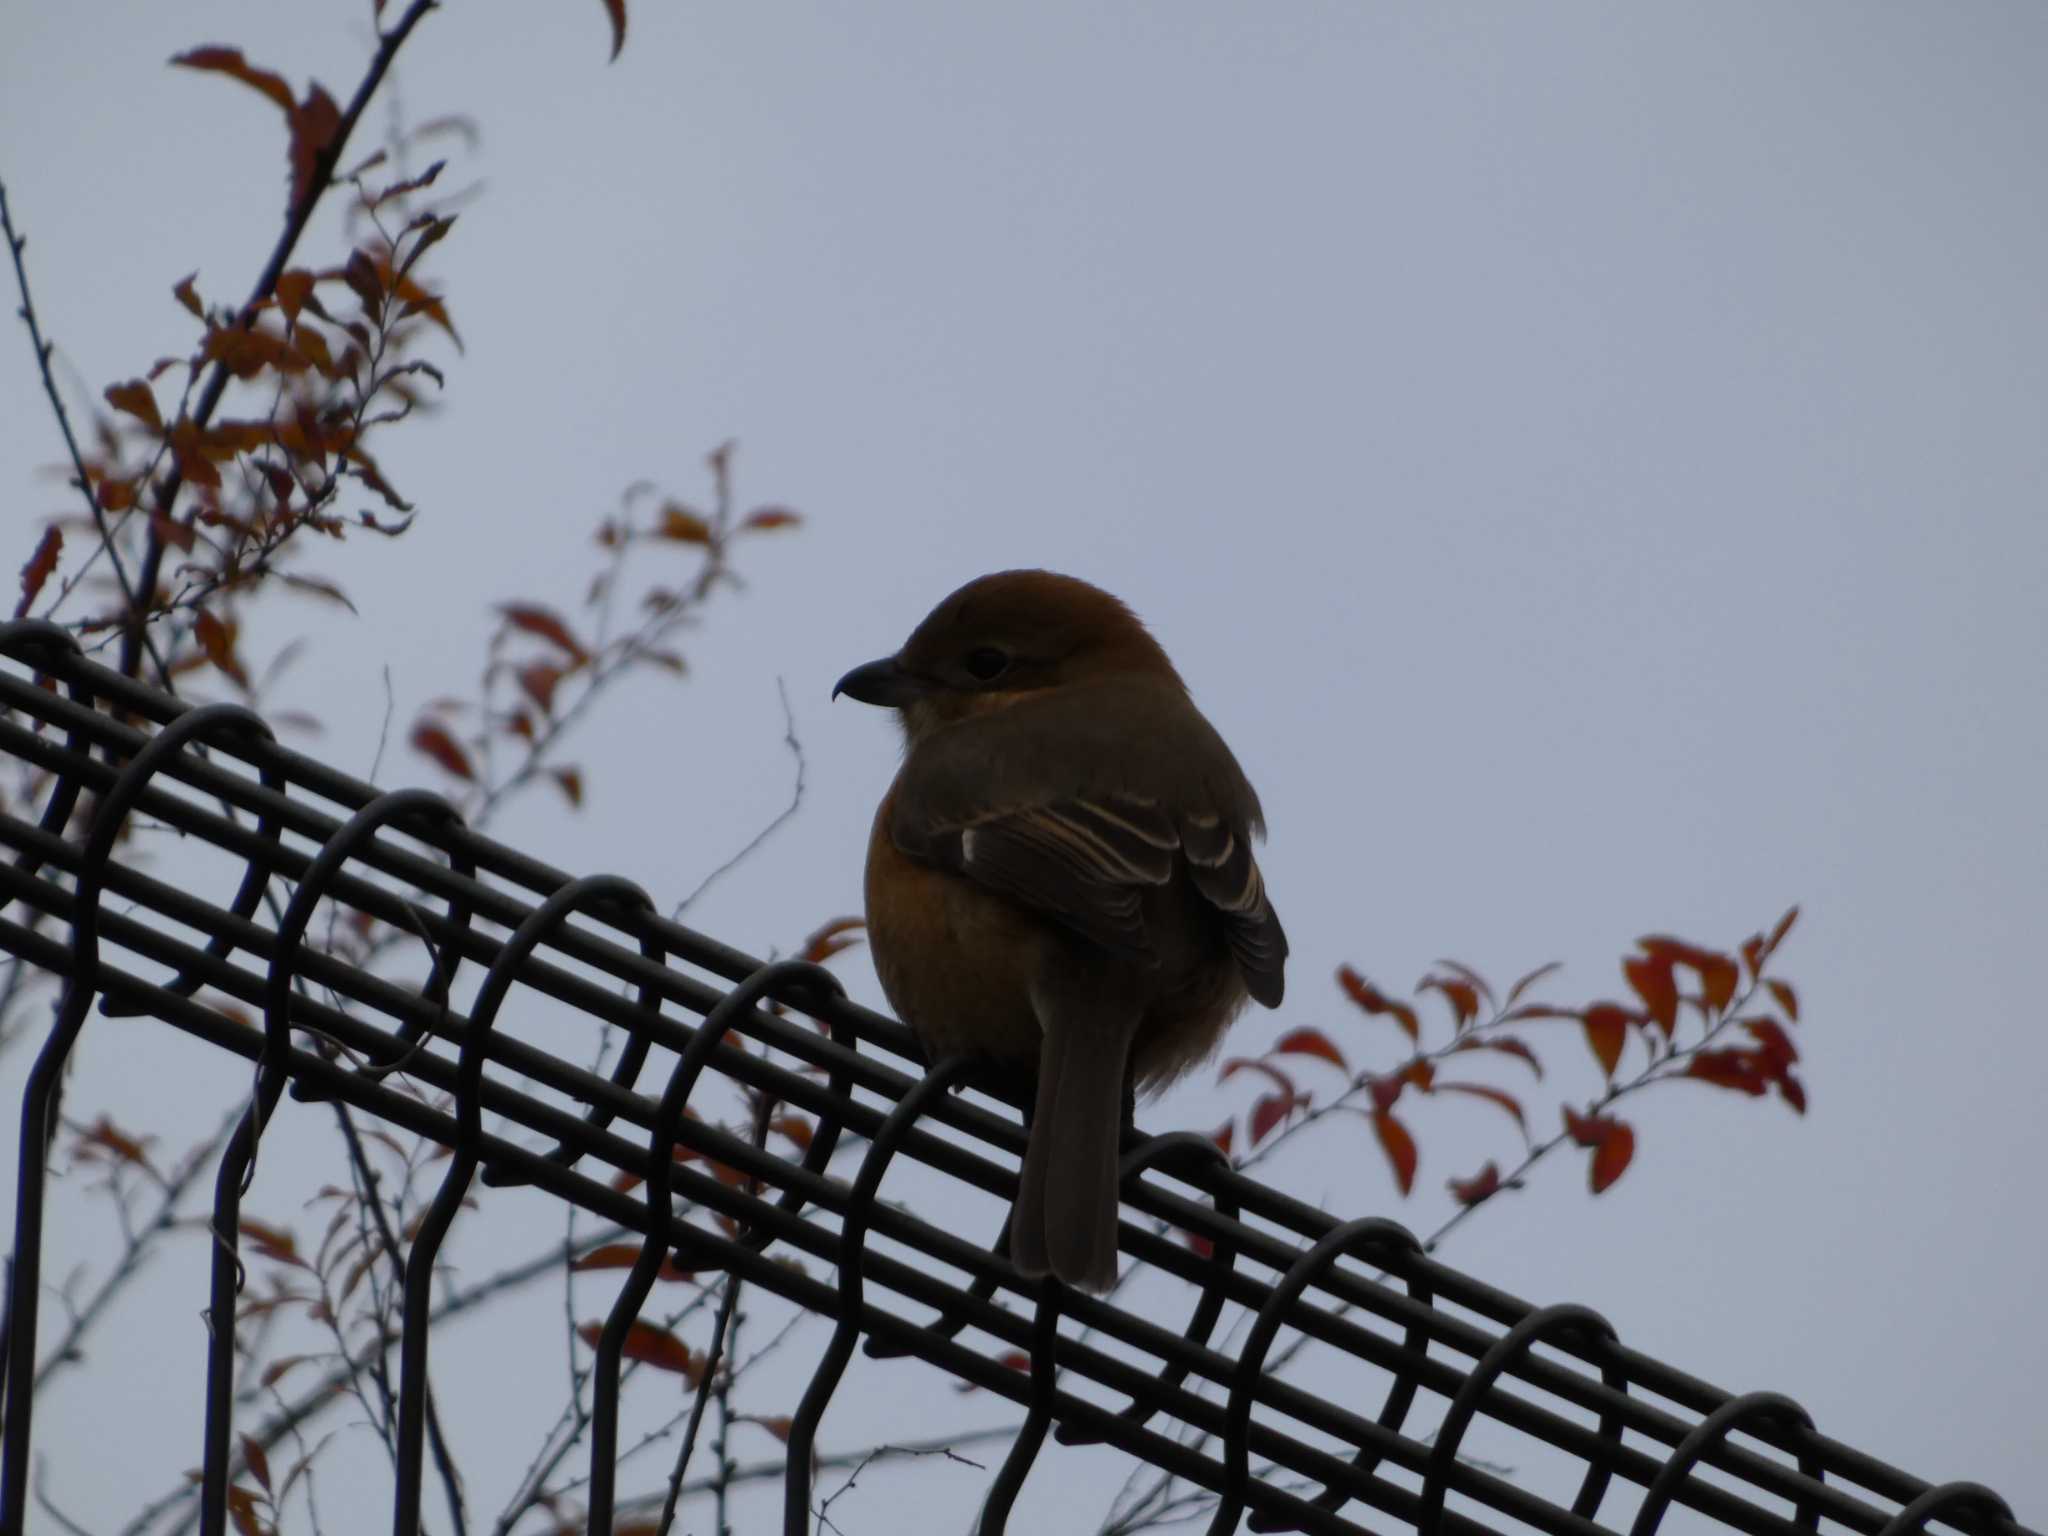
1066, 1212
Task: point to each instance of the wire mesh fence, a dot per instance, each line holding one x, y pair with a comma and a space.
287, 838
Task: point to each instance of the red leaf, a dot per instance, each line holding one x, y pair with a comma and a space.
1385, 1091
1311, 1042
828, 939
1778, 1049
39, 566
1586, 1130
431, 739
537, 680
1744, 1071
1507, 1044
257, 1462
615, 12
1493, 1096
1650, 976
1224, 1135
1238, 1064
186, 294
229, 61
1611, 1157
1462, 996
1778, 933
1399, 1147
1480, 1186
536, 620
137, 399
1792, 1091
1268, 1113
1787, 998
1372, 1000
1606, 1032
571, 782
764, 518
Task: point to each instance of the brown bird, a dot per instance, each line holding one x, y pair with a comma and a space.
1060, 881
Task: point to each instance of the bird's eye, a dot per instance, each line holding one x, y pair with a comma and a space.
987, 663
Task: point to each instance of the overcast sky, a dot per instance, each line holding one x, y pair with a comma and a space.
1586, 459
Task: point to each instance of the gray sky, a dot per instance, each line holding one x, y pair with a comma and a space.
1584, 457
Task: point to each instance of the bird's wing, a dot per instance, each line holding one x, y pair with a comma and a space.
1083, 862
1220, 860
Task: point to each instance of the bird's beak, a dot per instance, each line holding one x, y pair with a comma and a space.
882, 682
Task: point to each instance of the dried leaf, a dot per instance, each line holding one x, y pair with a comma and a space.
1506, 1044
188, 295
1268, 1113
537, 681
39, 566
1506, 1101
763, 518
536, 620
1528, 981
570, 781
1237, 1064
651, 1346
615, 13
682, 525
1482, 1185
272, 1242
1462, 996
828, 939
1399, 1147
229, 61
293, 289
138, 400
1787, 998
216, 640
258, 1463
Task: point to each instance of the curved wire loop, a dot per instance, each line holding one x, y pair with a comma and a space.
46, 1076
661, 1149
1948, 1501
588, 893
31, 634
853, 1233
1009, 1478
1189, 1151
1749, 1412
238, 1162
1546, 1325
1385, 1242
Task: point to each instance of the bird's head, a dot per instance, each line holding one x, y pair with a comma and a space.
1000, 638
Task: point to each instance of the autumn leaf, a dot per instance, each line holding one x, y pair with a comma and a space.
762, 519
1224, 1135
272, 1242
436, 743
1374, 1001
1237, 1064
615, 12
1650, 976
1311, 1042
682, 525
536, 620
216, 640
39, 566
1611, 1158
1606, 1032
1524, 983
1506, 1101
625, 1256
829, 939
137, 399
1506, 1044
1481, 1186
229, 61
1787, 998
1461, 995
651, 1346
1268, 1113
570, 781
258, 1463
1399, 1147
188, 295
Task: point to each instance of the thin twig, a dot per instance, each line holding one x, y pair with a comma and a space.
796, 800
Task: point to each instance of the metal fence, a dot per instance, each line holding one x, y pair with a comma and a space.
1277, 1457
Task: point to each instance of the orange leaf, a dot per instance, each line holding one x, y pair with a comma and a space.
764, 518
1480, 1186
1606, 1032
1787, 998
778, 1426
1310, 1042
1650, 976
1611, 1157
39, 566
229, 61
828, 939
1528, 981
1372, 1000
136, 398
1586, 1130
1462, 996
272, 1242
216, 639
293, 289
186, 294
1238, 1064
536, 620
105, 1136
436, 743
625, 1256
571, 782
682, 525
1399, 1147
651, 1346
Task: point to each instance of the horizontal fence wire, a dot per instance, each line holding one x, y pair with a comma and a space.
242, 975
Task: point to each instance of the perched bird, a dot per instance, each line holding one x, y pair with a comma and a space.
1060, 881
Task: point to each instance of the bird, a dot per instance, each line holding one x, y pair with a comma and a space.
1060, 881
